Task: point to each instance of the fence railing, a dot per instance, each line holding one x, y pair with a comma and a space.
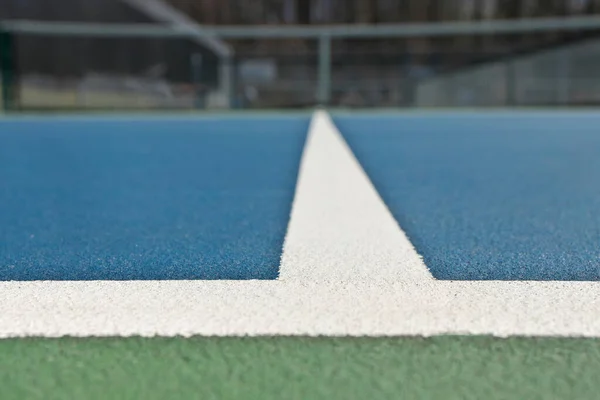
131, 49
568, 75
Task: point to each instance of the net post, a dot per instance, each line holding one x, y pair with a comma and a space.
7, 72
511, 81
227, 79
196, 72
563, 74
324, 83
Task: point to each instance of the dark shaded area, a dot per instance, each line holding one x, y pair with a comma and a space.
71, 10
70, 57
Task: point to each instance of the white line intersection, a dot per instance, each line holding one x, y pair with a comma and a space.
347, 269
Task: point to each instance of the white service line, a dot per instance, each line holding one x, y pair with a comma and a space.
347, 269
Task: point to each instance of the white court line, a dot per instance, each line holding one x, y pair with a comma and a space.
347, 269
340, 229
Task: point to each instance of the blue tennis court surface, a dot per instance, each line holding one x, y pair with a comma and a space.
481, 196
496, 196
118, 199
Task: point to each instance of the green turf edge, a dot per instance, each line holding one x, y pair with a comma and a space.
444, 367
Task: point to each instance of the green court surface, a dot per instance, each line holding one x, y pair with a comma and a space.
446, 367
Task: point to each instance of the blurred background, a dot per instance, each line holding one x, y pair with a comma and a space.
265, 54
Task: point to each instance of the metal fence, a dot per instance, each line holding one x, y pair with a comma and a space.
150, 66
569, 75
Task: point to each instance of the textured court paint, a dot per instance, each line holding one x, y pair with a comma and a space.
490, 197
449, 368
146, 199
346, 297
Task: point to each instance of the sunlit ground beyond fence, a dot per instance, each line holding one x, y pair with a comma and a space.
39, 93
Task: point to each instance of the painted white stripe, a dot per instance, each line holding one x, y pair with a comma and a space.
335, 280
295, 308
340, 229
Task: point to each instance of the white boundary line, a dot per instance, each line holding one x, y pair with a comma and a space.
347, 269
